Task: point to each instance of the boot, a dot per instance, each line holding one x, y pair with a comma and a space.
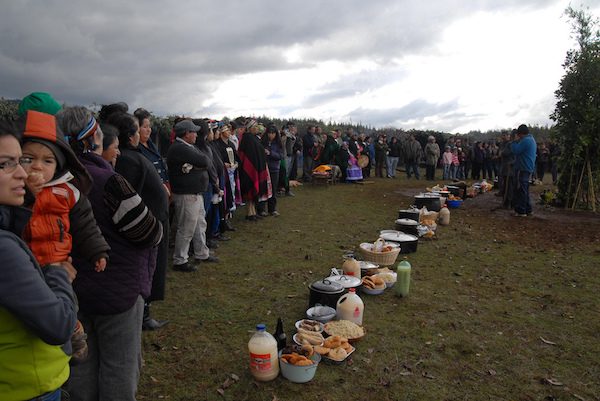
228, 226
148, 323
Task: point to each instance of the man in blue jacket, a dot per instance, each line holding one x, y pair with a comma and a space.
524, 150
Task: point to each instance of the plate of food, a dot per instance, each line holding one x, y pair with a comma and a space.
309, 325
373, 285
304, 337
335, 349
344, 329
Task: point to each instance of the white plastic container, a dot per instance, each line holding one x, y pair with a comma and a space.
351, 267
444, 217
264, 361
350, 307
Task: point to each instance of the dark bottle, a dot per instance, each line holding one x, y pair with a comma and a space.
280, 336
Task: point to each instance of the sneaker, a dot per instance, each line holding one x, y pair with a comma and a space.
211, 243
222, 238
251, 218
290, 193
263, 214
185, 267
519, 214
275, 213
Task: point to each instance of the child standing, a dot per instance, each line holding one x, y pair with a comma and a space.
455, 164
62, 219
447, 162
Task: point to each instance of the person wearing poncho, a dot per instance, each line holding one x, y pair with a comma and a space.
254, 177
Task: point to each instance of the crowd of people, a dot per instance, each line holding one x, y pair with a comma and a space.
92, 210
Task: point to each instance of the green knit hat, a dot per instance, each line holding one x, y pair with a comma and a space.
39, 101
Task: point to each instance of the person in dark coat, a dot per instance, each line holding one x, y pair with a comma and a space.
149, 150
274, 153
254, 175
146, 181
112, 303
228, 153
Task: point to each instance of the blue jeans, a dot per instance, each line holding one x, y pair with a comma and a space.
392, 163
51, 396
412, 167
447, 171
521, 199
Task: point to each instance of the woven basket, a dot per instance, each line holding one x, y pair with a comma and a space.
380, 258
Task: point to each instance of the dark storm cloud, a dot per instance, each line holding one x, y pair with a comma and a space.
152, 53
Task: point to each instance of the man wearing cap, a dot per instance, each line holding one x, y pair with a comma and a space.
524, 150
188, 174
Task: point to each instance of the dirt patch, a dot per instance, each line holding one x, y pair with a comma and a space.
547, 228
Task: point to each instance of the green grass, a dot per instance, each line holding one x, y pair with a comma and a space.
483, 295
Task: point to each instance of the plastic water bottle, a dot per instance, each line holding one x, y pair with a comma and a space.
403, 281
264, 360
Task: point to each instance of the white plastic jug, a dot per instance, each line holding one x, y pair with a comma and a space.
350, 307
264, 360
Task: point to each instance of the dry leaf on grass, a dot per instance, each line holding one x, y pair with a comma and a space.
547, 341
551, 381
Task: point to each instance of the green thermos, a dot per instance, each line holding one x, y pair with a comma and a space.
403, 279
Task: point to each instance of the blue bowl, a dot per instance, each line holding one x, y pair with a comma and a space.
453, 204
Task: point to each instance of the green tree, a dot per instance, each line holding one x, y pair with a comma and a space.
577, 115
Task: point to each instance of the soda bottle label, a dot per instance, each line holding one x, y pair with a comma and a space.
356, 312
260, 362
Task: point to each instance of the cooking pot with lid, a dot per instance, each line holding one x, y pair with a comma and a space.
325, 292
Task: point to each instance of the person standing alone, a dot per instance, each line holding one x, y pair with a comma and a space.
524, 150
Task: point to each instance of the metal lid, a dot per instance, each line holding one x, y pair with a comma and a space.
407, 222
327, 286
345, 280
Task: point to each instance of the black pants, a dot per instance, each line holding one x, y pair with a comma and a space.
272, 201
430, 172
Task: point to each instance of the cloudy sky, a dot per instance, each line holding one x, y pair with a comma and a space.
441, 64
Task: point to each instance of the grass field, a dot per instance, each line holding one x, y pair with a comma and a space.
501, 308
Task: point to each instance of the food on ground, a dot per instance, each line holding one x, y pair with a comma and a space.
309, 337
373, 283
296, 359
310, 325
389, 278
344, 328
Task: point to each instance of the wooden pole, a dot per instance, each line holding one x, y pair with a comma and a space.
592, 193
579, 184
569, 191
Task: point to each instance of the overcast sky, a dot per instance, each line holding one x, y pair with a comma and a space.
447, 65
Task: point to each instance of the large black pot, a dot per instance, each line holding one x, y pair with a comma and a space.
412, 214
407, 226
454, 190
431, 202
325, 292
408, 243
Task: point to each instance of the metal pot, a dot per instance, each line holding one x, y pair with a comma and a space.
431, 202
408, 243
325, 292
454, 190
412, 214
407, 226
